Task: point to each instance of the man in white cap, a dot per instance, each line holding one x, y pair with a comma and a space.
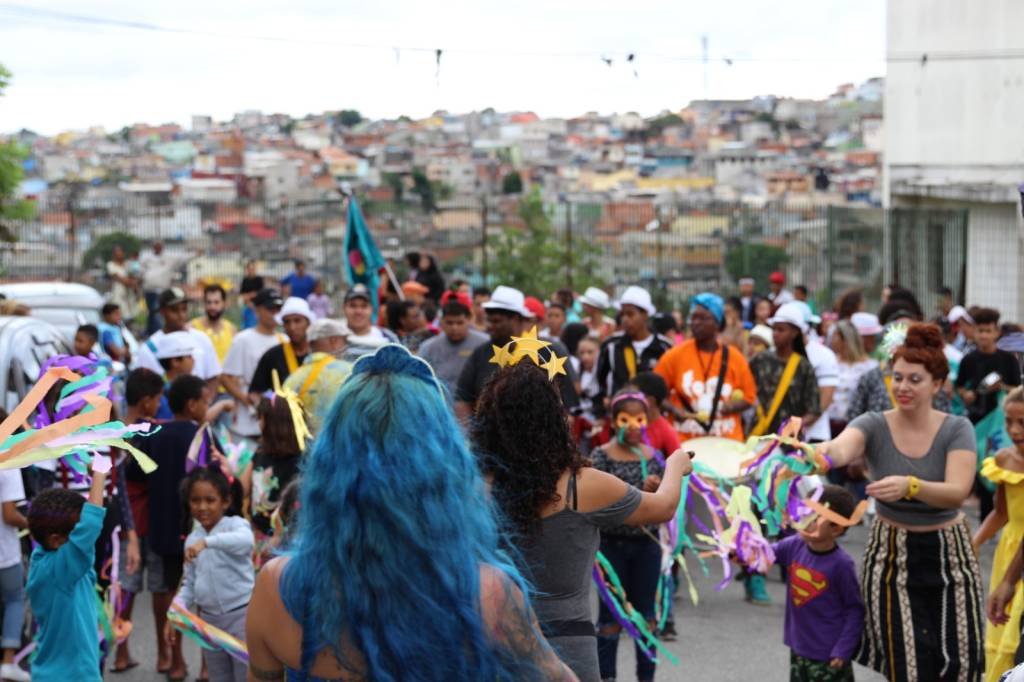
322, 374
633, 350
174, 311
175, 352
507, 317
595, 302
286, 357
826, 370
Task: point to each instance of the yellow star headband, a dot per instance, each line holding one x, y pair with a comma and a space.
529, 346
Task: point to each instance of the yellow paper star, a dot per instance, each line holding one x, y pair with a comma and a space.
555, 366
501, 357
527, 345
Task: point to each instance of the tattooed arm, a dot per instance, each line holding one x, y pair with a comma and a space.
514, 626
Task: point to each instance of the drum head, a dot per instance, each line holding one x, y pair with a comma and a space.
724, 455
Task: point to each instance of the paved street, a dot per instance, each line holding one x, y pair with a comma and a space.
723, 638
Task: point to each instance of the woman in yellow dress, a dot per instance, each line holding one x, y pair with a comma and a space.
1006, 470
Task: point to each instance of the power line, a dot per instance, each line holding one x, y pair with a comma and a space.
67, 17
923, 56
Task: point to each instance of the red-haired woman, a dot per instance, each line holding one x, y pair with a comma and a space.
921, 581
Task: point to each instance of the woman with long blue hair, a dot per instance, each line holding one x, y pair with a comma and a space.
396, 571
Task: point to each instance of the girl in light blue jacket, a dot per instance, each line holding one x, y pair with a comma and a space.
218, 577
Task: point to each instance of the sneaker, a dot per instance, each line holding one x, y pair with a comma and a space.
11, 672
756, 592
668, 633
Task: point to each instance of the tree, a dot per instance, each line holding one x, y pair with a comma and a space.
534, 258
12, 155
657, 125
394, 181
429, 191
755, 260
102, 249
422, 186
512, 183
349, 117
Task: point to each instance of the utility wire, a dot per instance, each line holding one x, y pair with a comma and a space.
922, 57
67, 17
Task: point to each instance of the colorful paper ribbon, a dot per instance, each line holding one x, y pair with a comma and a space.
205, 635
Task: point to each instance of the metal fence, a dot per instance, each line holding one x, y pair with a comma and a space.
675, 247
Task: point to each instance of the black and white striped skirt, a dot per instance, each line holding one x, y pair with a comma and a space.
925, 614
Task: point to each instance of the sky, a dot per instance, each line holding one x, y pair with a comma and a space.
307, 56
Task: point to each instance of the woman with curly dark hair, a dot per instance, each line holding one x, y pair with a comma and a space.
557, 504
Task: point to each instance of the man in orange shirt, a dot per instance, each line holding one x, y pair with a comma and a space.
708, 399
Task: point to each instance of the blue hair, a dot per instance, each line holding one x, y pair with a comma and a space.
394, 526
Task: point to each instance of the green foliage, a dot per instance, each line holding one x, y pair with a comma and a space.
394, 181
512, 183
425, 189
755, 260
102, 249
429, 191
12, 155
349, 117
534, 258
656, 126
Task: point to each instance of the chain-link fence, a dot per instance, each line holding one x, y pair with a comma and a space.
676, 248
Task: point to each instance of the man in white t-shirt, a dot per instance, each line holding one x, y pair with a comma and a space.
826, 369
12, 574
174, 311
244, 355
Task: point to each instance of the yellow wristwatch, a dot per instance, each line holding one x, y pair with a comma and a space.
913, 487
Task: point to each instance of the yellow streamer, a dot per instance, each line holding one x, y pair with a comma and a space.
302, 433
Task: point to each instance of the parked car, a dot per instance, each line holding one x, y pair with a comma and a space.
26, 343
65, 305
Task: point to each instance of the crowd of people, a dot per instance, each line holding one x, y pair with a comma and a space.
413, 483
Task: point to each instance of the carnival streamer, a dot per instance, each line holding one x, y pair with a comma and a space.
611, 592
205, 635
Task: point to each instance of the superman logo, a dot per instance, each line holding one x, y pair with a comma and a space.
805, 584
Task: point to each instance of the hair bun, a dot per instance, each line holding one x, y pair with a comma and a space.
924, 336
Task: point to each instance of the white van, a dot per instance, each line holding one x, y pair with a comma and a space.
65, 305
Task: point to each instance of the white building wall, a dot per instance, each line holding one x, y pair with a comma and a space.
958, 120
953, 132
995, 251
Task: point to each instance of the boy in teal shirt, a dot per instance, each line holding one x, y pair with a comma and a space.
62, 580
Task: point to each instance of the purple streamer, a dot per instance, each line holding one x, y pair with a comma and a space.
609, 600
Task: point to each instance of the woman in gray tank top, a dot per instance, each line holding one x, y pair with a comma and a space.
920, 580
555, 504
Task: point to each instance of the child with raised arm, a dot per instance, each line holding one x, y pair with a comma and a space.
62, 580
824, 608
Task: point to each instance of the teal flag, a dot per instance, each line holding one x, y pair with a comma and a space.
991, 437
362, 258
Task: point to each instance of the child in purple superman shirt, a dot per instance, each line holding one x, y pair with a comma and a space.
824, 607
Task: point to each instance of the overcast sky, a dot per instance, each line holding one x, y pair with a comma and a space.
539, 55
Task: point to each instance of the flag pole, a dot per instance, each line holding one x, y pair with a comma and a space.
394, 281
